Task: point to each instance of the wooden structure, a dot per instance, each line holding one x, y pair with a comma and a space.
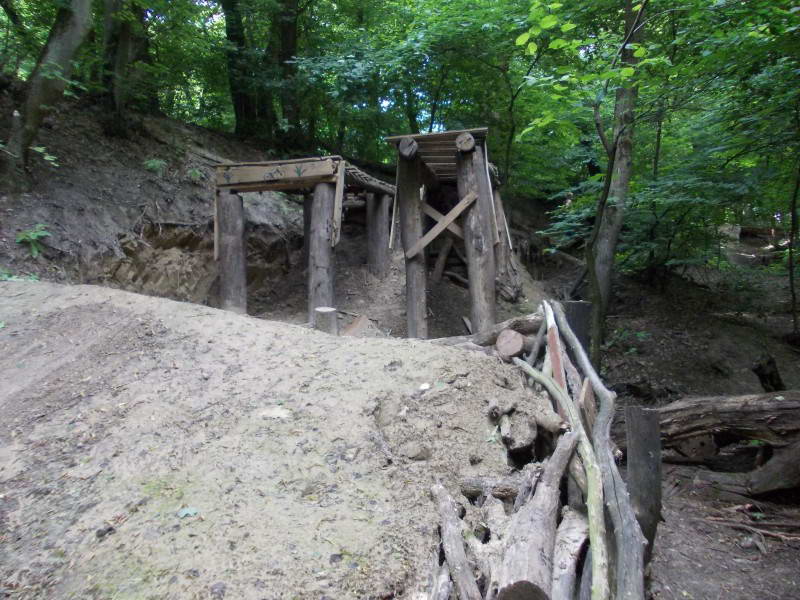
454, 163
329, 177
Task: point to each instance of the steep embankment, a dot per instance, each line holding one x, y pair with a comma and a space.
156, 449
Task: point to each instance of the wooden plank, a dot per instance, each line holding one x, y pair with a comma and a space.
267, 163
459, 208
286, 184
228, 176
478, 132
453, 228
337, 205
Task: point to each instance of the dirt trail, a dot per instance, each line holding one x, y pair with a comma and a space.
156, 449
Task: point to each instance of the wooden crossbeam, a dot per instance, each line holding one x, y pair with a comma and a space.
442, 224
437, 216
236, 177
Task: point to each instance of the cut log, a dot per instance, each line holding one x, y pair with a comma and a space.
509, 283
465, 142
407, 148
442, 585
527, 568
326, 319
453, 544
518, 432
644, 470
526, 325
773, 418
232, 257
572, 534
502, 488
509, 344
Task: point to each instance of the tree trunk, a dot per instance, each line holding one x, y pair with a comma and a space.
610, 217
792, 243
239, 72
45, 86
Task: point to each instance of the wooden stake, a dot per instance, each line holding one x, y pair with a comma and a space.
232, 261
441, 260
408, 180
378, 234
320, 252
326, 319
644, 470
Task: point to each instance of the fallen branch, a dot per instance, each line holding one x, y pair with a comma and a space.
453, 544
627, 533
526, 325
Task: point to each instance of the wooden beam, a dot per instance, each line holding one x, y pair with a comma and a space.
232, 261
378, 234
478, 132
283, 185
434, 214
478, 239
230, 176
459, 208
320, 252
408, 200
337, 205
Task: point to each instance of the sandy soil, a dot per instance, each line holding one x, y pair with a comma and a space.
156, 449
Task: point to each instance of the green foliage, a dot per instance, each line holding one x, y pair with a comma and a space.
49, 158
155, 165
31, 237
195, 175
6, 275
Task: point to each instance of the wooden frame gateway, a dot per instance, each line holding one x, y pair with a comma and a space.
329, 177
425, 163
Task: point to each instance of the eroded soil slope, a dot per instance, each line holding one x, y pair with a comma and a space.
155, 449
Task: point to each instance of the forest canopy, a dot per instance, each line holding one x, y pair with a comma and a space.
702, 95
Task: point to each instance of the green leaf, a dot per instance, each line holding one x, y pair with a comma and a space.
568, 27
555, 5
560, 88
637, 8
548, 22
640, 52
627, 71
523, 38
558, 43
532, 48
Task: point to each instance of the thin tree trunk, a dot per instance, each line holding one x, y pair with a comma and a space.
244, 104
608, 221
45, 86
792, 242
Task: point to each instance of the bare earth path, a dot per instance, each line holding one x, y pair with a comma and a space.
156, 449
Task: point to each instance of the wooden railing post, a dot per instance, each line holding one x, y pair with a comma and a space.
378, 233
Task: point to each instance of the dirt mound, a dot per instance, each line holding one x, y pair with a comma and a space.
160, 449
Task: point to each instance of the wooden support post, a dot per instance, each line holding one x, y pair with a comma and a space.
232, 267
320, 252
408, 201
378, 234
644, 470
326, 319
478, 236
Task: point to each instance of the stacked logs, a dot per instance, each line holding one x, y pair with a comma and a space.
530, 547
